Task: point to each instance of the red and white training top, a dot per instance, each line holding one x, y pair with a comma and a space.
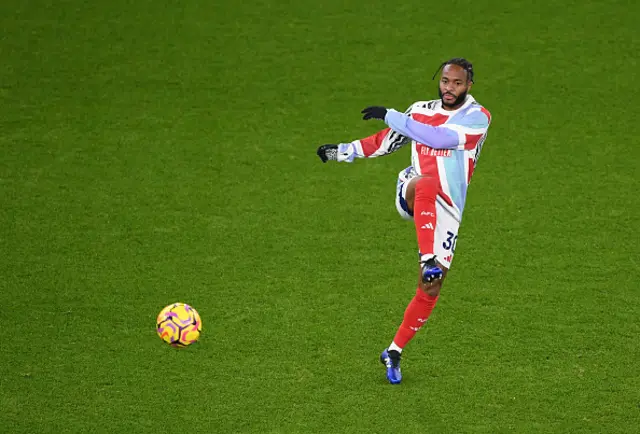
445, 144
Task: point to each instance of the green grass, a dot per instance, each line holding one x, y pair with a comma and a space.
155, 152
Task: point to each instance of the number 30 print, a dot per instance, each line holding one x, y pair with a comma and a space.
450, 243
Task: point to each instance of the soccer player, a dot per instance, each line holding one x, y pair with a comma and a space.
446, 137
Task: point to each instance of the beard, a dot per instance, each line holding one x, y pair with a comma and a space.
459, 100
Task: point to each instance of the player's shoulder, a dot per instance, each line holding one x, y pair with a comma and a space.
478, 110
421, 106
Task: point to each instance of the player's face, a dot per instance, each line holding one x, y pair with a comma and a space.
454, 86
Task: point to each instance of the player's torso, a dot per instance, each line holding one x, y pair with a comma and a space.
423, 157
451, 167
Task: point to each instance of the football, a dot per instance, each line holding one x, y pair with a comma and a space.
179, 325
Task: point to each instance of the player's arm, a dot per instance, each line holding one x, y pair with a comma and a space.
461, 133
381, 143
436, 137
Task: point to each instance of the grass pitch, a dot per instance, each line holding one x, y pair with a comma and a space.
156, 152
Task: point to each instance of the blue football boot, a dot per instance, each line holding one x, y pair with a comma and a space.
431, 271
391, 359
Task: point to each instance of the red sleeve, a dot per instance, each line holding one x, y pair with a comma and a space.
372, 143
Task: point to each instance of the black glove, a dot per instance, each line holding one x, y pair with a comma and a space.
374, 112
328, 152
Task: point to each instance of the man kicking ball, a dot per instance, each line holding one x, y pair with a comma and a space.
446, 136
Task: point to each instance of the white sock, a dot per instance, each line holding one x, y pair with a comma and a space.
425, 258
394, 347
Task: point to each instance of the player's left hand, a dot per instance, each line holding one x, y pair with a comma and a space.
374, 112
328, 152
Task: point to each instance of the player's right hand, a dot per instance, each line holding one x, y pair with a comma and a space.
328, 152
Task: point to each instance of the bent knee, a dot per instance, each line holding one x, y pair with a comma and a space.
410, 194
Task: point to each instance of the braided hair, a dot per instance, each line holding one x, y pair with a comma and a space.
461, 62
